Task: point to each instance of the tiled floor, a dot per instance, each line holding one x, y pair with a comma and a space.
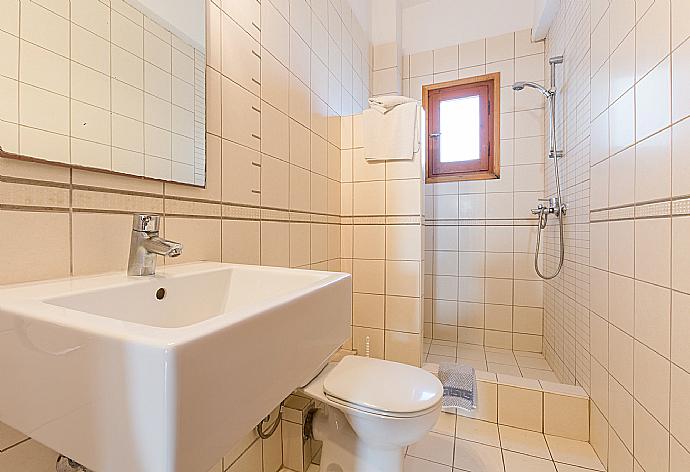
500, 361
464, 444
459, 444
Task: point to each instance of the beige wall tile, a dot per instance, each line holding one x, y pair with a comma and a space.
487, 409
651, 441
403, 347
403, 278
566, 416
240, 118
368, 276
369, 242
275, 132
89, 256
300, 244
680, 386
33, 101
403, 314
422, 64
520, 407
369, 198
41, 250
319, 245
241, 241
241, 174
275, 249
45, 28
653, 251
275, 180
680, 351
368, 310
403, 197
200, 238
653, 37
500, 48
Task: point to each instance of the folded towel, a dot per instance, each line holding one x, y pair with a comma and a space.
459, 386
393, 135
385, 103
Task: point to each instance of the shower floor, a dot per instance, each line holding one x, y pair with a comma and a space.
499, 361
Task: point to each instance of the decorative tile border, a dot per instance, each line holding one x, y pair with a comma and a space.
650, 210
624, 213
26, 195
382, 220
174, 207
655, 209
681, 207
404, 220
241, 212
482, 222
598, 215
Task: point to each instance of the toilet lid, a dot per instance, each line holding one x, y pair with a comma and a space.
383, 386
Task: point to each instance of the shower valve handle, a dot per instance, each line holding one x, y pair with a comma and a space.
554, 207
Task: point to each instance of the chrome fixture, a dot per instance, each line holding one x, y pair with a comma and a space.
146, 245
518, 86
554, 205
553, 208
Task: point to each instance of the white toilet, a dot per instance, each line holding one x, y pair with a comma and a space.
374, 410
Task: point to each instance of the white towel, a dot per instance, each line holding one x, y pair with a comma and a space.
393, 134
385, 103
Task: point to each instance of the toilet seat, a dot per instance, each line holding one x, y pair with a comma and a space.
382, 388
354, 408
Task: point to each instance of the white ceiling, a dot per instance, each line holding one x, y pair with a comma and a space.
434, 24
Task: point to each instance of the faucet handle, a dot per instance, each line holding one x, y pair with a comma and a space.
146, 223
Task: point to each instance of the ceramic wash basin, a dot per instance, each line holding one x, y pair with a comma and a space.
163, 373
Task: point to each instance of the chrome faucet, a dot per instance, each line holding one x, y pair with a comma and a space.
146, 245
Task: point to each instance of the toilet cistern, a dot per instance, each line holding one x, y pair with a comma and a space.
146, 245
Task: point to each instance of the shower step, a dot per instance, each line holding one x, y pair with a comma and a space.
536, 405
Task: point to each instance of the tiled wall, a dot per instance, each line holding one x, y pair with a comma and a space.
617, 318
480, 283
279, 76
382, 247
387, 70
124, 93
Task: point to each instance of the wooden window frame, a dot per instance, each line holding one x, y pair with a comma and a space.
489, 166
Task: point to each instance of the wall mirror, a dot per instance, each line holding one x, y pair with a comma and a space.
112, 85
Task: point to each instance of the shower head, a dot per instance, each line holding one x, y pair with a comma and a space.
517, 86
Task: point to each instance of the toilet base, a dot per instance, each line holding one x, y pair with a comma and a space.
344, 451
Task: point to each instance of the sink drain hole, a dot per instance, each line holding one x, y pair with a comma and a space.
160, 293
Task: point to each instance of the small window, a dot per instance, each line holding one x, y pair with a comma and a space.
462, 124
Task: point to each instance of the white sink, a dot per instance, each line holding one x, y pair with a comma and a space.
101, 370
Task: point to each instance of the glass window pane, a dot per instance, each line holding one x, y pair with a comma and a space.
460, 129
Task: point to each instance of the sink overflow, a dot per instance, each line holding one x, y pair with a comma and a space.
160, 293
